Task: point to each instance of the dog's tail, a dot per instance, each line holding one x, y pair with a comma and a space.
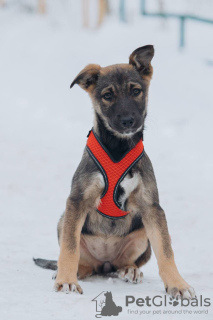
46, 264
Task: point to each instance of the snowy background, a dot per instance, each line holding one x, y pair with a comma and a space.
43, 128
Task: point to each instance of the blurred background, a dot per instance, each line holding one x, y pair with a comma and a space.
43, 128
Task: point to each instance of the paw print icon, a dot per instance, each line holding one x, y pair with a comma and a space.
174, 302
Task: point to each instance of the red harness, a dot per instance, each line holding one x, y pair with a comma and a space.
113, 173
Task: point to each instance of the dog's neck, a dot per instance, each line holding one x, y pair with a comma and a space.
115, 145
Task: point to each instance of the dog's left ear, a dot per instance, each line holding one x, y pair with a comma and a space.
87, 77
141, 60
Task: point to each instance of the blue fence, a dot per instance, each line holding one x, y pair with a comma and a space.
182, 18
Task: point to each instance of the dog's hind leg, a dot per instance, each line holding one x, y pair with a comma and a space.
133, 273
130, 274
85, 271
134, 253
144, 257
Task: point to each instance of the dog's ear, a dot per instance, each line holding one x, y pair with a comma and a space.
87, 77
141, 60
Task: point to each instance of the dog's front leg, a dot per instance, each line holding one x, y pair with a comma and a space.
85, 195
74, 218
157, 231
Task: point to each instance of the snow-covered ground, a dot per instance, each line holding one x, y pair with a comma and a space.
43, 128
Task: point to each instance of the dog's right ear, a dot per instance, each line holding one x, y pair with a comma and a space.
87, 78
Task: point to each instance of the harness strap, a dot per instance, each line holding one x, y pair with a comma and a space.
113, 173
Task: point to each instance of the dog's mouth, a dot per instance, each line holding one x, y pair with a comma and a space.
126, 132
130, 132
117, 130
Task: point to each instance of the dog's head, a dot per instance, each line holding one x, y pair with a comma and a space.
119, 92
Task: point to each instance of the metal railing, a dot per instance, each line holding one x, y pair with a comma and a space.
182, 18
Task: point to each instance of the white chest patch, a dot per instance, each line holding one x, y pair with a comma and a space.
129, 184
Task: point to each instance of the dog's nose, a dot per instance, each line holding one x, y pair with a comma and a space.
127, 122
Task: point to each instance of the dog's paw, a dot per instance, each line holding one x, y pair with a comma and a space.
181, 293
130, 274
68, 287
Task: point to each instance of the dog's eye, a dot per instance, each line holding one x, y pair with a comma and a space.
107, 96
136, 92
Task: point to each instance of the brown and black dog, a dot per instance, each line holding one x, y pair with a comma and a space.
90, 243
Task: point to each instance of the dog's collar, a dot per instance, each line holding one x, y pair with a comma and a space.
113, 173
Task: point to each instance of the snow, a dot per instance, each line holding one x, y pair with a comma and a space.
43, 128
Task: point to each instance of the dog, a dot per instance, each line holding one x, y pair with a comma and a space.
96, 236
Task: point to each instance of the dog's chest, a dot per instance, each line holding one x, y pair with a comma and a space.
125, 188
96, 223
